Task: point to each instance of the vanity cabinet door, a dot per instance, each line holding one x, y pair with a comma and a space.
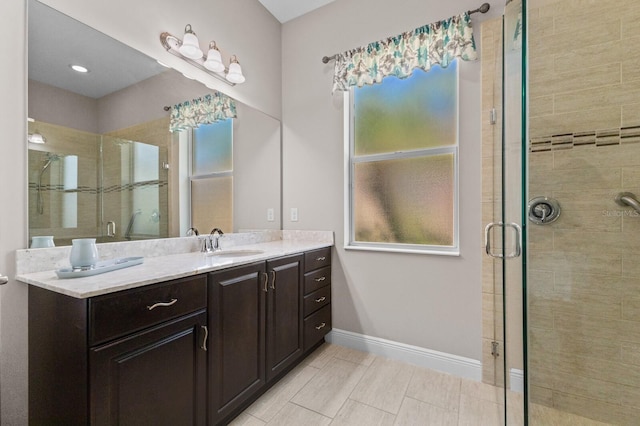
284, 304
154, 377
237, 332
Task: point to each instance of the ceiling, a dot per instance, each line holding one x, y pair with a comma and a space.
286, 10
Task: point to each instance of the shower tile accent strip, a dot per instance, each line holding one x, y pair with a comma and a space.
623, 135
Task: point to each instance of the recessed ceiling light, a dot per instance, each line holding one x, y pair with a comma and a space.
79, 68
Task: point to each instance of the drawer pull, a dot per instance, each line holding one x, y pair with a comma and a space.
273, 279
156, 305
266, 282
320, 279
322, 299
206, 337
321, 326
321, 258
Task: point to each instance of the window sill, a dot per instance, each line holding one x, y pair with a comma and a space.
452, 252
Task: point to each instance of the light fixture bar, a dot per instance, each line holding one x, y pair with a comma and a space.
172, 45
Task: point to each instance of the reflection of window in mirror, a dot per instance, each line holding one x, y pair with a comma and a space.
212, 176
70, 195
146, 191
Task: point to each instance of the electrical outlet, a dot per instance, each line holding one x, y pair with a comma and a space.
271, 216
294, 214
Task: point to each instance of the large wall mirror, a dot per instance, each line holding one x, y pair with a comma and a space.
110, 168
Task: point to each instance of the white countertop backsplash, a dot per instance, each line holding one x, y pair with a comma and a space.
164, 259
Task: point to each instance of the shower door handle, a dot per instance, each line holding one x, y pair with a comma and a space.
517, 251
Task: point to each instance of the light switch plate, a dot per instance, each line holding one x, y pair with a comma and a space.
294, 214
271, 216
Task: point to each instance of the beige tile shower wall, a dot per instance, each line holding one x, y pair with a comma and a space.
118, 198
492, 323
584, 65
583, 278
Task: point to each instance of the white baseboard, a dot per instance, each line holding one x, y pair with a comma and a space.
517, 380
440, 361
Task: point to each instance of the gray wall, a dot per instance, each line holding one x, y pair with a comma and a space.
13, 216
429, 301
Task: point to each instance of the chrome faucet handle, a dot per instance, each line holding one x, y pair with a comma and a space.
207, 246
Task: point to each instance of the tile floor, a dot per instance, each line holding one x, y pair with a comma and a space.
340, 386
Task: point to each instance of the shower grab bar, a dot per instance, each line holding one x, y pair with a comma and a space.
628, 199
518, 240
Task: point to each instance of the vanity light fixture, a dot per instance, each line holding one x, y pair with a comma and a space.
190, 47
36, 138
235, 72
189, 50
214, 59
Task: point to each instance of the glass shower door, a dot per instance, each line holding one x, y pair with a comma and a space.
503, 269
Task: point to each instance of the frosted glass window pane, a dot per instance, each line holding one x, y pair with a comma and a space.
70, 174
407, 114
406, 201
213, 148
212, 203
146, 160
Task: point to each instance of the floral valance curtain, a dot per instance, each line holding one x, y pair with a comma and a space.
205, 110
436, 43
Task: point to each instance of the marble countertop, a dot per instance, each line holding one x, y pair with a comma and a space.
164, 268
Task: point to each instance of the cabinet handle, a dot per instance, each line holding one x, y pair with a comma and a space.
320, 259
206, 337
322, 299
320, 279
162, 304
266, 281
273, 279
321, 326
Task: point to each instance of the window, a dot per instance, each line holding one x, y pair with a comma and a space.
212, 176
402, 163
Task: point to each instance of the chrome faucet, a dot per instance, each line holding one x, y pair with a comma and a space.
214, 239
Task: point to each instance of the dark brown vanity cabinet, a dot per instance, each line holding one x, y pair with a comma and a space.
317, 296
255, 324
191, 351
237, 326
284, 313
126, 358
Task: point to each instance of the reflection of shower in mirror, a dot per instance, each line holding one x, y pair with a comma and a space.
50, 158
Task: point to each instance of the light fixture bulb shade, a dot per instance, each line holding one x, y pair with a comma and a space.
190, 47
214, 61
235, 73
36, 138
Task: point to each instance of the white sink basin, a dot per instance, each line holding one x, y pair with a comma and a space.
235, 253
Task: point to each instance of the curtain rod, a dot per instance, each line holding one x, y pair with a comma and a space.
484, 8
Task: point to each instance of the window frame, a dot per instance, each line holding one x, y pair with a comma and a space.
350, 160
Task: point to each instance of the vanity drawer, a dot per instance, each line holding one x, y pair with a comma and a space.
121, 313
317, 279
316, 326
316, 300
317, 259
